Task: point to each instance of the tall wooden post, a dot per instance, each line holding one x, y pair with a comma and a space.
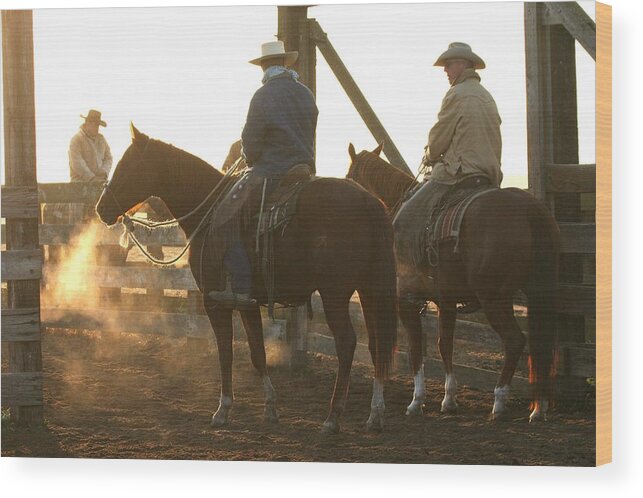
293, 30
25, 360
555, 177
564, 136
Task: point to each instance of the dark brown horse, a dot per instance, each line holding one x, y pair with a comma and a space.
339, 241
508, 242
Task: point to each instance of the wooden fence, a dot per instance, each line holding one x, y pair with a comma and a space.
555, 175
21, 262
168, 302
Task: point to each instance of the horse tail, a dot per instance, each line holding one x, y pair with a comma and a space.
383, 296
541, 297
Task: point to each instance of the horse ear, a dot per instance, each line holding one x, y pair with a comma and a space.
135, 133
378, 150
351, 151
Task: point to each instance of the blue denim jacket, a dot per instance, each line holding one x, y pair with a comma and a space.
280, 127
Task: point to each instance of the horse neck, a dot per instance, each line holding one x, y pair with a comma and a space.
386, 182
189, 180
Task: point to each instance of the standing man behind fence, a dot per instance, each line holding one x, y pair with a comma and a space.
90, 159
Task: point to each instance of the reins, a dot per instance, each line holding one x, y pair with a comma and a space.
129, 221
396, 207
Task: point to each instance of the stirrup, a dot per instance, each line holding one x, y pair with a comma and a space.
232, 299
229, 299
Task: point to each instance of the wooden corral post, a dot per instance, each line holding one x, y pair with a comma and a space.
292, 29
555, 177
553, 133
297, 334
24, 378
567, 205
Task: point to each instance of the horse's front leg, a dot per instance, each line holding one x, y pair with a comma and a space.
446, 326
221, 320
254, 330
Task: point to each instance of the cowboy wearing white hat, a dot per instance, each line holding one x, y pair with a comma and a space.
90, 159
464, 146
466, 139
279, 133
275, 50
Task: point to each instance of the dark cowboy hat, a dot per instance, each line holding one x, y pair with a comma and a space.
94, 116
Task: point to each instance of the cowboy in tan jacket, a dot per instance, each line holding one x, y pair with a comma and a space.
89, 156
464, 149
466, 139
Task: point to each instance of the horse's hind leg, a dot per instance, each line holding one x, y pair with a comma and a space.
338, 319
254, 330
370, 310
446, 326
500, 313
409, 313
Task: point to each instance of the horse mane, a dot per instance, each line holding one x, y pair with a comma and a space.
379, 177
186, 159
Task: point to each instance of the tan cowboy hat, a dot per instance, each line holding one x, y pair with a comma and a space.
273, 49
94, 116
459, 50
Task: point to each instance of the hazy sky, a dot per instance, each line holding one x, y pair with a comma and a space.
181, 75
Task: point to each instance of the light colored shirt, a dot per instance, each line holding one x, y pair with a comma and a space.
466, 139
89, 157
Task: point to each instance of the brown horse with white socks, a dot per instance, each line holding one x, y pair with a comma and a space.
508, 242
338, 241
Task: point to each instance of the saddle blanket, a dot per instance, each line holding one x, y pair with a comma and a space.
449, 220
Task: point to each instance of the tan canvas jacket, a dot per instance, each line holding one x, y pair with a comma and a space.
88, 157
466, 139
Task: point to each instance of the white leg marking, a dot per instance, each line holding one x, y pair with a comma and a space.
269, 392
270, 398
376, 419
501, 395
449, 403
415, 408
220, 418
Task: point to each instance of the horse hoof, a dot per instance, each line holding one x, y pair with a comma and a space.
449, 407
414, 409
376, 425
375, 422
219, 420
496, 416
537, 417
270, 415
330, 427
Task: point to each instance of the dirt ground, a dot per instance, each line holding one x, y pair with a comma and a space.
128, 396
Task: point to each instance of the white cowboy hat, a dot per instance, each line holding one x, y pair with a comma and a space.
94, 116
273, 49
459, 50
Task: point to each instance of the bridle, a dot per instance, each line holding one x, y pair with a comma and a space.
128, 221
